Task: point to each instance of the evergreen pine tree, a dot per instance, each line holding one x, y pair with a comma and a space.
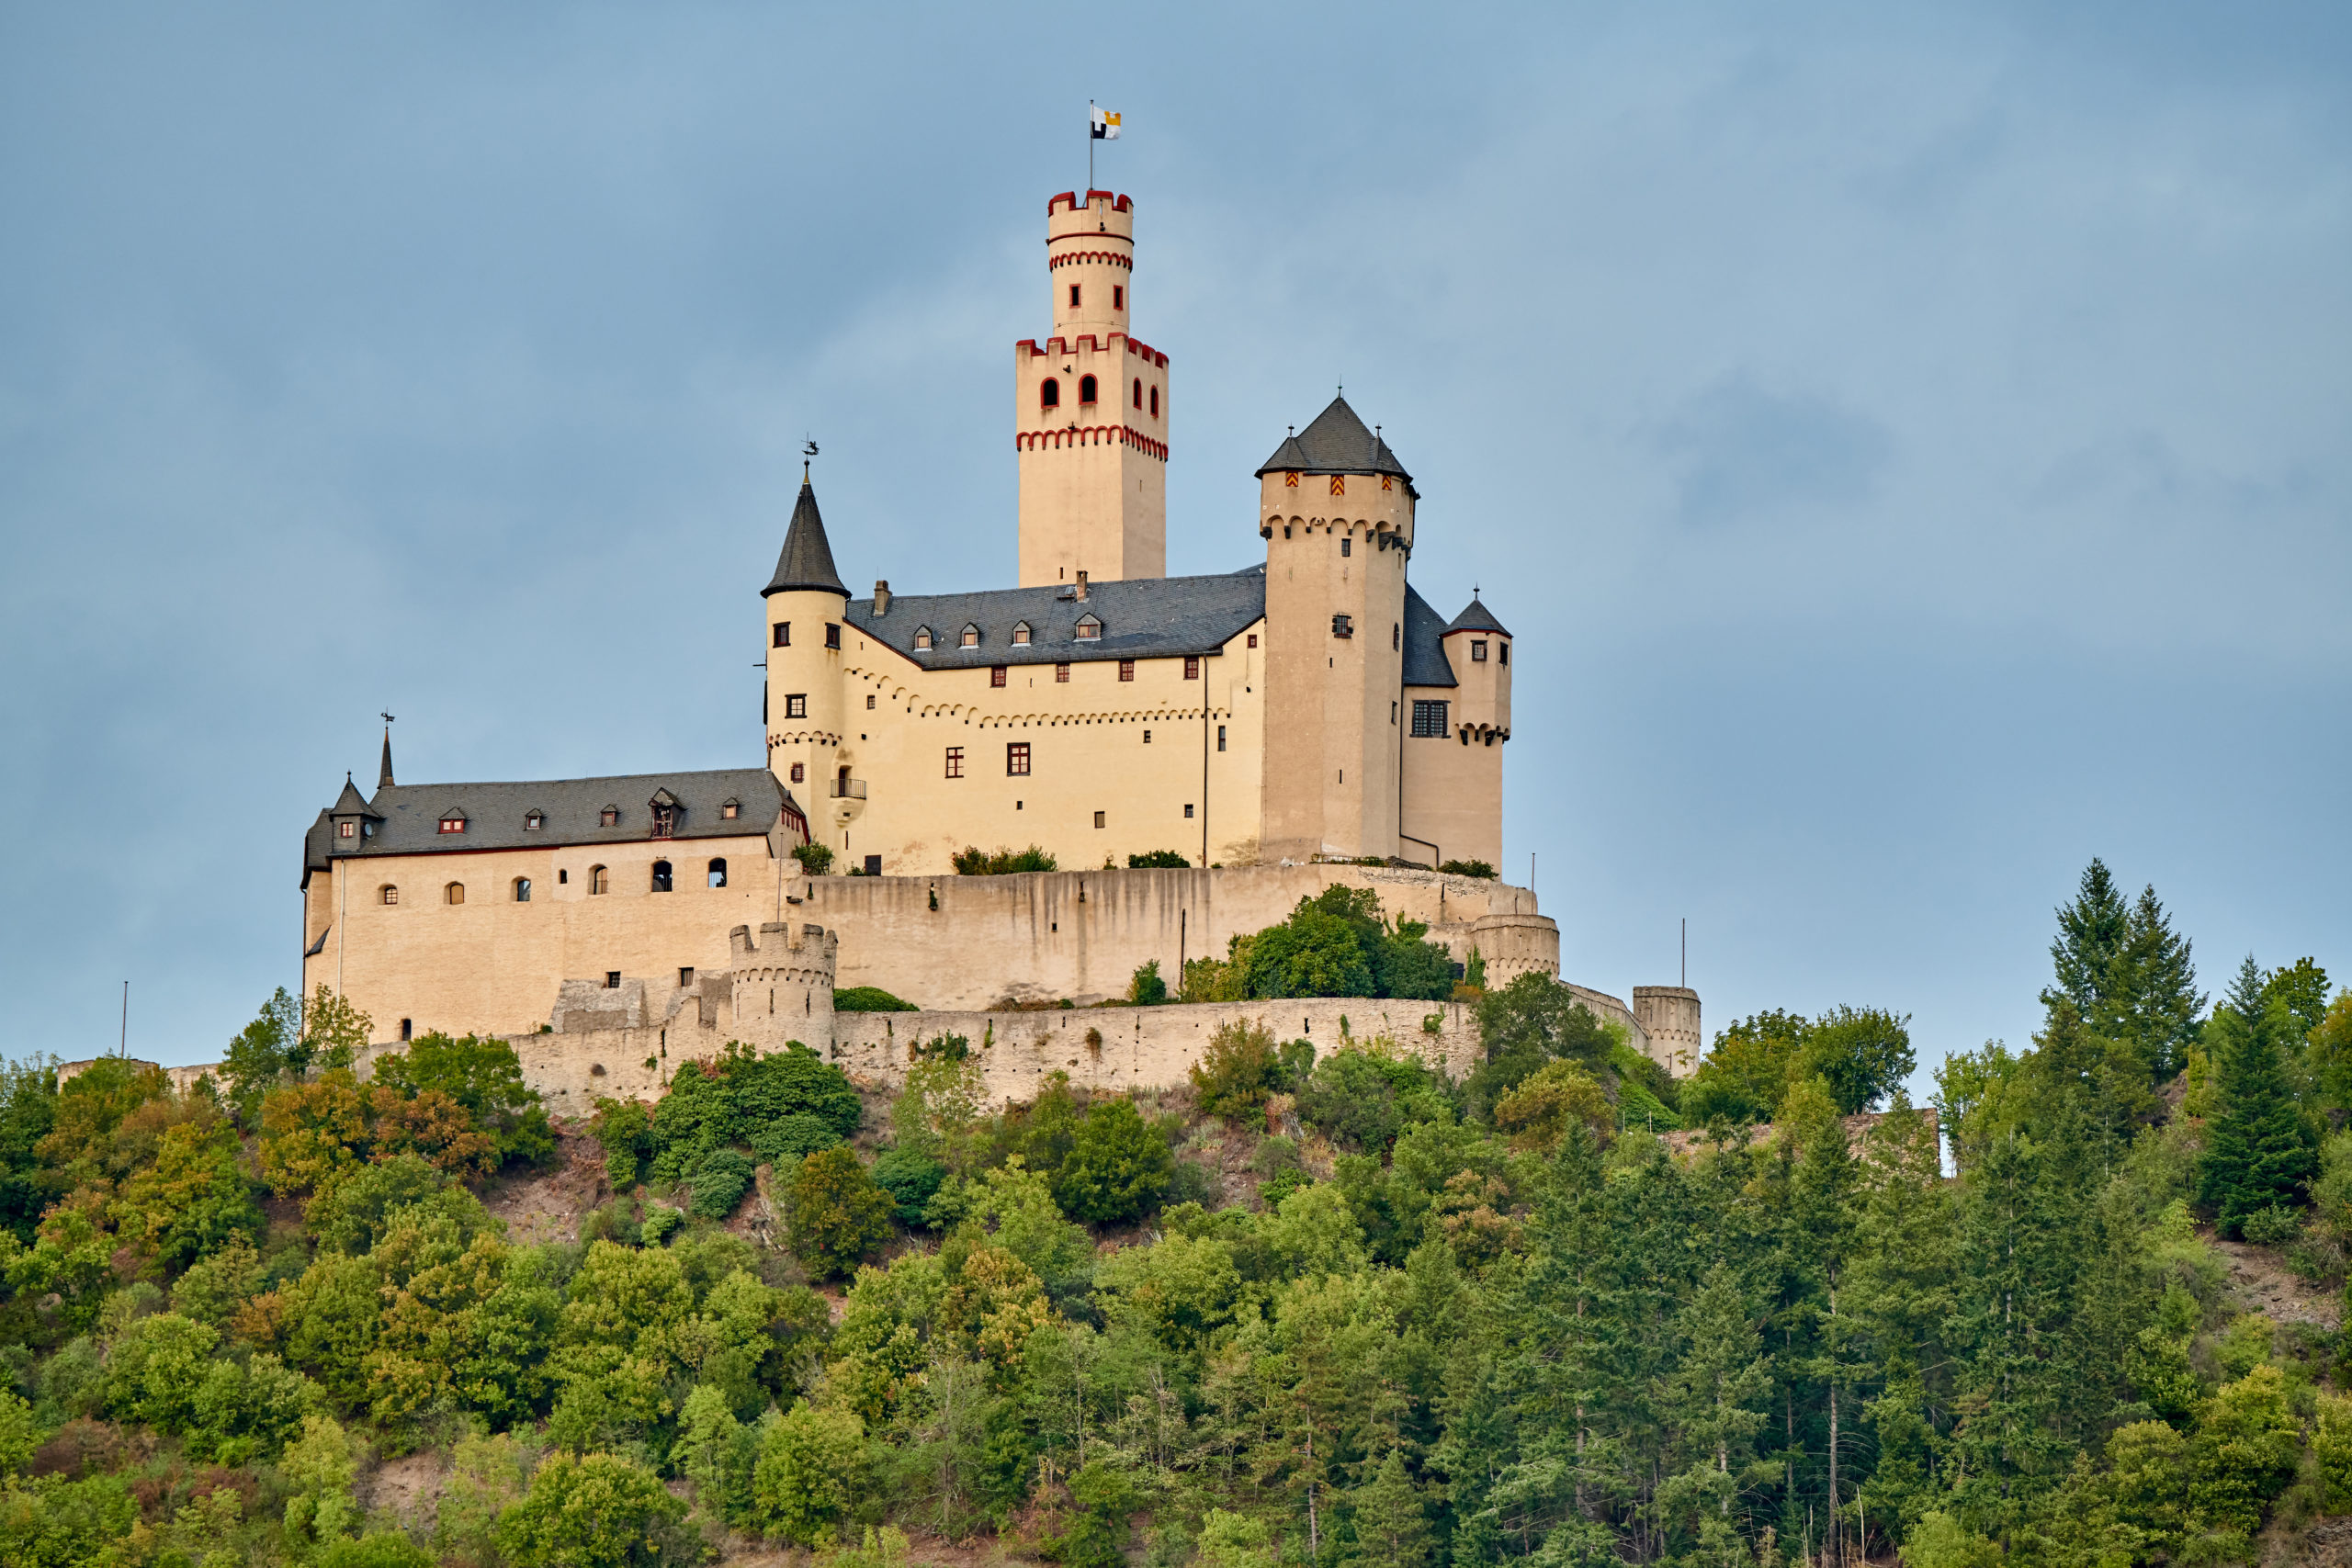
2258, 1152
2093, 932
2155, 1001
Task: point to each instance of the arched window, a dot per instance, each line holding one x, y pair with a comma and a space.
1049, 393
1155, 402
522, 890
660, 876
454, 894
1086, 389
1139, 392
598, 880
389, 894
717, 874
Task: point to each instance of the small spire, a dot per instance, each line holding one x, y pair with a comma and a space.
383, 774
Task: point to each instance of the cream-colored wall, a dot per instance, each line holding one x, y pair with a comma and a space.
1452, 791
1087, 754
1334, 717
492, 965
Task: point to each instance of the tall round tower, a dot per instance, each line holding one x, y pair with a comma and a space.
804, 711
1091, 411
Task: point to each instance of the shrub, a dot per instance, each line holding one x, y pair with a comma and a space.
597, 1512
869, 998
911, 1177
815, 859
720, 1182
727, 1102
2273, 1227
788, 1137
1118, 1167
838, 1213
1144, 987
1239, 1070
1536, 1114
625, 1127
482, 1076
1467, 868
1003, 862
1158, 859
660, 1222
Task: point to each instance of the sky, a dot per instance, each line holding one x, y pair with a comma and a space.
1911, 446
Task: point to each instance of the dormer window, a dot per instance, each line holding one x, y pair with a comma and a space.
454, 823
1089, 628
609, 817
666, 809
923, 636
1020, 634
730, 809
347, 830
971, 637
534, 820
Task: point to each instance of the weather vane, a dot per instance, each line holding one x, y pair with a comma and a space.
808, 450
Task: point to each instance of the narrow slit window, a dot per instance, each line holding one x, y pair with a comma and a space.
1137, 396
1155, 402
1118, 297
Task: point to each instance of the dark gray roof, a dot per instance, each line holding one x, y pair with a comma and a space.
384, 771
412, 814
1477, 618
1425, 660
807, 557
1148, 617
350, 803
1337, 443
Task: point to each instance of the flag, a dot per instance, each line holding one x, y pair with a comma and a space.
1105, 124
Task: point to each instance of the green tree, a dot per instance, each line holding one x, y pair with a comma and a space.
2093, 932
333, 1032
838, 1213
2258, 1153
485, 1078
2302, 988
1862, 1054
1391, 1526
28, 1114
318, 1469
810, 1473
1118, 1166
268, 1052
193, 1198
597, 1511
1533, 1020
2247, 1442
1145, 988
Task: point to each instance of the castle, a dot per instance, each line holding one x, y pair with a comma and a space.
1099, 710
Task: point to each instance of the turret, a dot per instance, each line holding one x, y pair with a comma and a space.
803, 700
1336, 511
1090, 410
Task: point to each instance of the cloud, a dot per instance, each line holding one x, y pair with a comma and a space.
1739, 452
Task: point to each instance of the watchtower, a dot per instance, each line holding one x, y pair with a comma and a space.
1090, 412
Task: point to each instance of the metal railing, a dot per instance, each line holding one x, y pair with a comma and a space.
849, 789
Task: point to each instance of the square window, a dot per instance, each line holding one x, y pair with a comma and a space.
685, 977
609, 817
1343, 626
611, 979
534, 821
873, 865
783, 635
996, 674
1061, 674
1477, 650
1016, 758
453, 824
1098, 817
832, 634
955, 762
1191, 669
731, 810
971, 637
1428, 719
1126, 668
796, 704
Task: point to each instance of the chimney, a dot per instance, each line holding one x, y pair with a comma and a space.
1081, 585
881, 597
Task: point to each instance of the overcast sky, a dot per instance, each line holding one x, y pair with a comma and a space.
1912, 446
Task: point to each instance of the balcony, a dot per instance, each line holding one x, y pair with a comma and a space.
848, 789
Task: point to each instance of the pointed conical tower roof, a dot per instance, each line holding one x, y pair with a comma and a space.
384, 770
349, 804
807, 557
1477, 618
1338, 441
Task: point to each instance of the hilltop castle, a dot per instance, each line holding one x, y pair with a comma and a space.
1100, 709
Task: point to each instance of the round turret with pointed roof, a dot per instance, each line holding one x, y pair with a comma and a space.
1336, 443
807, 557
1475, 617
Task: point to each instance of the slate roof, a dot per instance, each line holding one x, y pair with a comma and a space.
1425, 660
1477, 618
807, 557
411, 814
1152, 618
1337, 443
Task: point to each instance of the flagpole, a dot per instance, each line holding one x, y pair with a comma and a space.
1090, 144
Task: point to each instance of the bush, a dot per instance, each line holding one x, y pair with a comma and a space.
2274, 1226
788, 1137
1467, 868
911, 1178
1158, 859
1118, 1167
1144, 987
733, 1100
815, 859
720, 1182
838, 1213
869, 998
600, 1511
482, 1076
1003, 862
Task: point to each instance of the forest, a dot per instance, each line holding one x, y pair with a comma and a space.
1326, 1307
